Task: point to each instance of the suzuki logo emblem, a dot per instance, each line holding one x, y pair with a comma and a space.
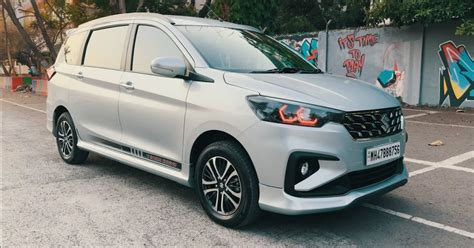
385, 123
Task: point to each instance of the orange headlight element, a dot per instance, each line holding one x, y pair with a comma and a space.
284, 118
304, 118
301, 117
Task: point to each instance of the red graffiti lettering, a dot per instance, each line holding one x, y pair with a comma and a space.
367, 40
355, 64
347, 42
351, 40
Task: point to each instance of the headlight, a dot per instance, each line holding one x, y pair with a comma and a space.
293, 113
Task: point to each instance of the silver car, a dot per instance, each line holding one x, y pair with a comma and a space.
227, 110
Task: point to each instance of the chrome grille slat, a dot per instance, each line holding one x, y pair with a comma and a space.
373, 123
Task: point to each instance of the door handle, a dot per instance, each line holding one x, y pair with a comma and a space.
128, 85
79, 75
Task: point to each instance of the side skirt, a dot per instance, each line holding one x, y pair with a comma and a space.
150, 165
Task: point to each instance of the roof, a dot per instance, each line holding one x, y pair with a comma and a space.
173, 19
197, 21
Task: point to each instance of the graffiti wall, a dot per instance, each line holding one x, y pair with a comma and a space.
386, 57
456, 75
419, 65
448, 68
306, 44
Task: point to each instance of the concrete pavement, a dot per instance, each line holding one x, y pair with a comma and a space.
46, 202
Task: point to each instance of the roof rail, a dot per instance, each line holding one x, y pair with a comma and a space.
120, 17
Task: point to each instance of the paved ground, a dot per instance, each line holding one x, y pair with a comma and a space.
46, 202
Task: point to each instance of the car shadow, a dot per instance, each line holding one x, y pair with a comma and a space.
356, 220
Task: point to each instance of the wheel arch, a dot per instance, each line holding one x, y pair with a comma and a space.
203, 140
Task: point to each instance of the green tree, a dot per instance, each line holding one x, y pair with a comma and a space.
398, 13
257, 13
310, 15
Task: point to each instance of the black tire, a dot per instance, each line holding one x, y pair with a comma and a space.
66, 141
247, 210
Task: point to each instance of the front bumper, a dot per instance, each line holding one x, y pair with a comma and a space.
276, 200
280, 141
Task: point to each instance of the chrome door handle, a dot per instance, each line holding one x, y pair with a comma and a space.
128, 85
79, 75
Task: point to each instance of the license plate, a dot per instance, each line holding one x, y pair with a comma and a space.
383, 153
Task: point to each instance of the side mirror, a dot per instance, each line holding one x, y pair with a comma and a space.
169, 67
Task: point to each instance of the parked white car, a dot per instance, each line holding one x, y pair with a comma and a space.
227, 110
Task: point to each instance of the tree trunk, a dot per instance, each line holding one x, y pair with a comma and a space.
7, 46
122, 7
44, 33
140, 5
205, 9
5, 71
24, 35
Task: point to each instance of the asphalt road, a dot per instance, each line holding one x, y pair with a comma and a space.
46, 202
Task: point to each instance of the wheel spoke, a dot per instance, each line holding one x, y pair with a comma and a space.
68, 131
236, 194
233, 174
208, 166
63, 148
222, 202
63, 127
227, 166
235, 204
216, 203
204, 182
214, 164
207, 191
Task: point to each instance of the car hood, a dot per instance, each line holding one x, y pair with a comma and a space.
320, 89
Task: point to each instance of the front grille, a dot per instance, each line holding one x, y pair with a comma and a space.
356, 179
374, 123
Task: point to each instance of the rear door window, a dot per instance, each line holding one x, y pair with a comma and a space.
73, 48
105, 47
150, 43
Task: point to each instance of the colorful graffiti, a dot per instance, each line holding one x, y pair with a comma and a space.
391, 78
456, 76
355, 63
309, 50
305, 44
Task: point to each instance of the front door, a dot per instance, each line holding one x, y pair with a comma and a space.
152, 107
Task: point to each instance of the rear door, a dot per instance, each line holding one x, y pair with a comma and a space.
152, 107
95, 93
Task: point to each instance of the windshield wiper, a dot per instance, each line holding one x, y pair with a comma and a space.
315, 71
288, 70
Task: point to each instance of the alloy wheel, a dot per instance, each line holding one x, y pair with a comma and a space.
221, 185
65, 139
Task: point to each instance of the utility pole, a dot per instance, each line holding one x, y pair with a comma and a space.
7, 46
327, 46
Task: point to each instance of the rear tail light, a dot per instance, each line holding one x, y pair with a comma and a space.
50, 72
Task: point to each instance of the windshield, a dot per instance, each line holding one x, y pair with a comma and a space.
244, 51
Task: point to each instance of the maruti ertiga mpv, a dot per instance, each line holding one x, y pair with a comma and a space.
227, 110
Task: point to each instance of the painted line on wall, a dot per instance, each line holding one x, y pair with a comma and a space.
23, 106
440, 124
421, 220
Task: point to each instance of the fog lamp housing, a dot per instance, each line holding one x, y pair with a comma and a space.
301, 165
